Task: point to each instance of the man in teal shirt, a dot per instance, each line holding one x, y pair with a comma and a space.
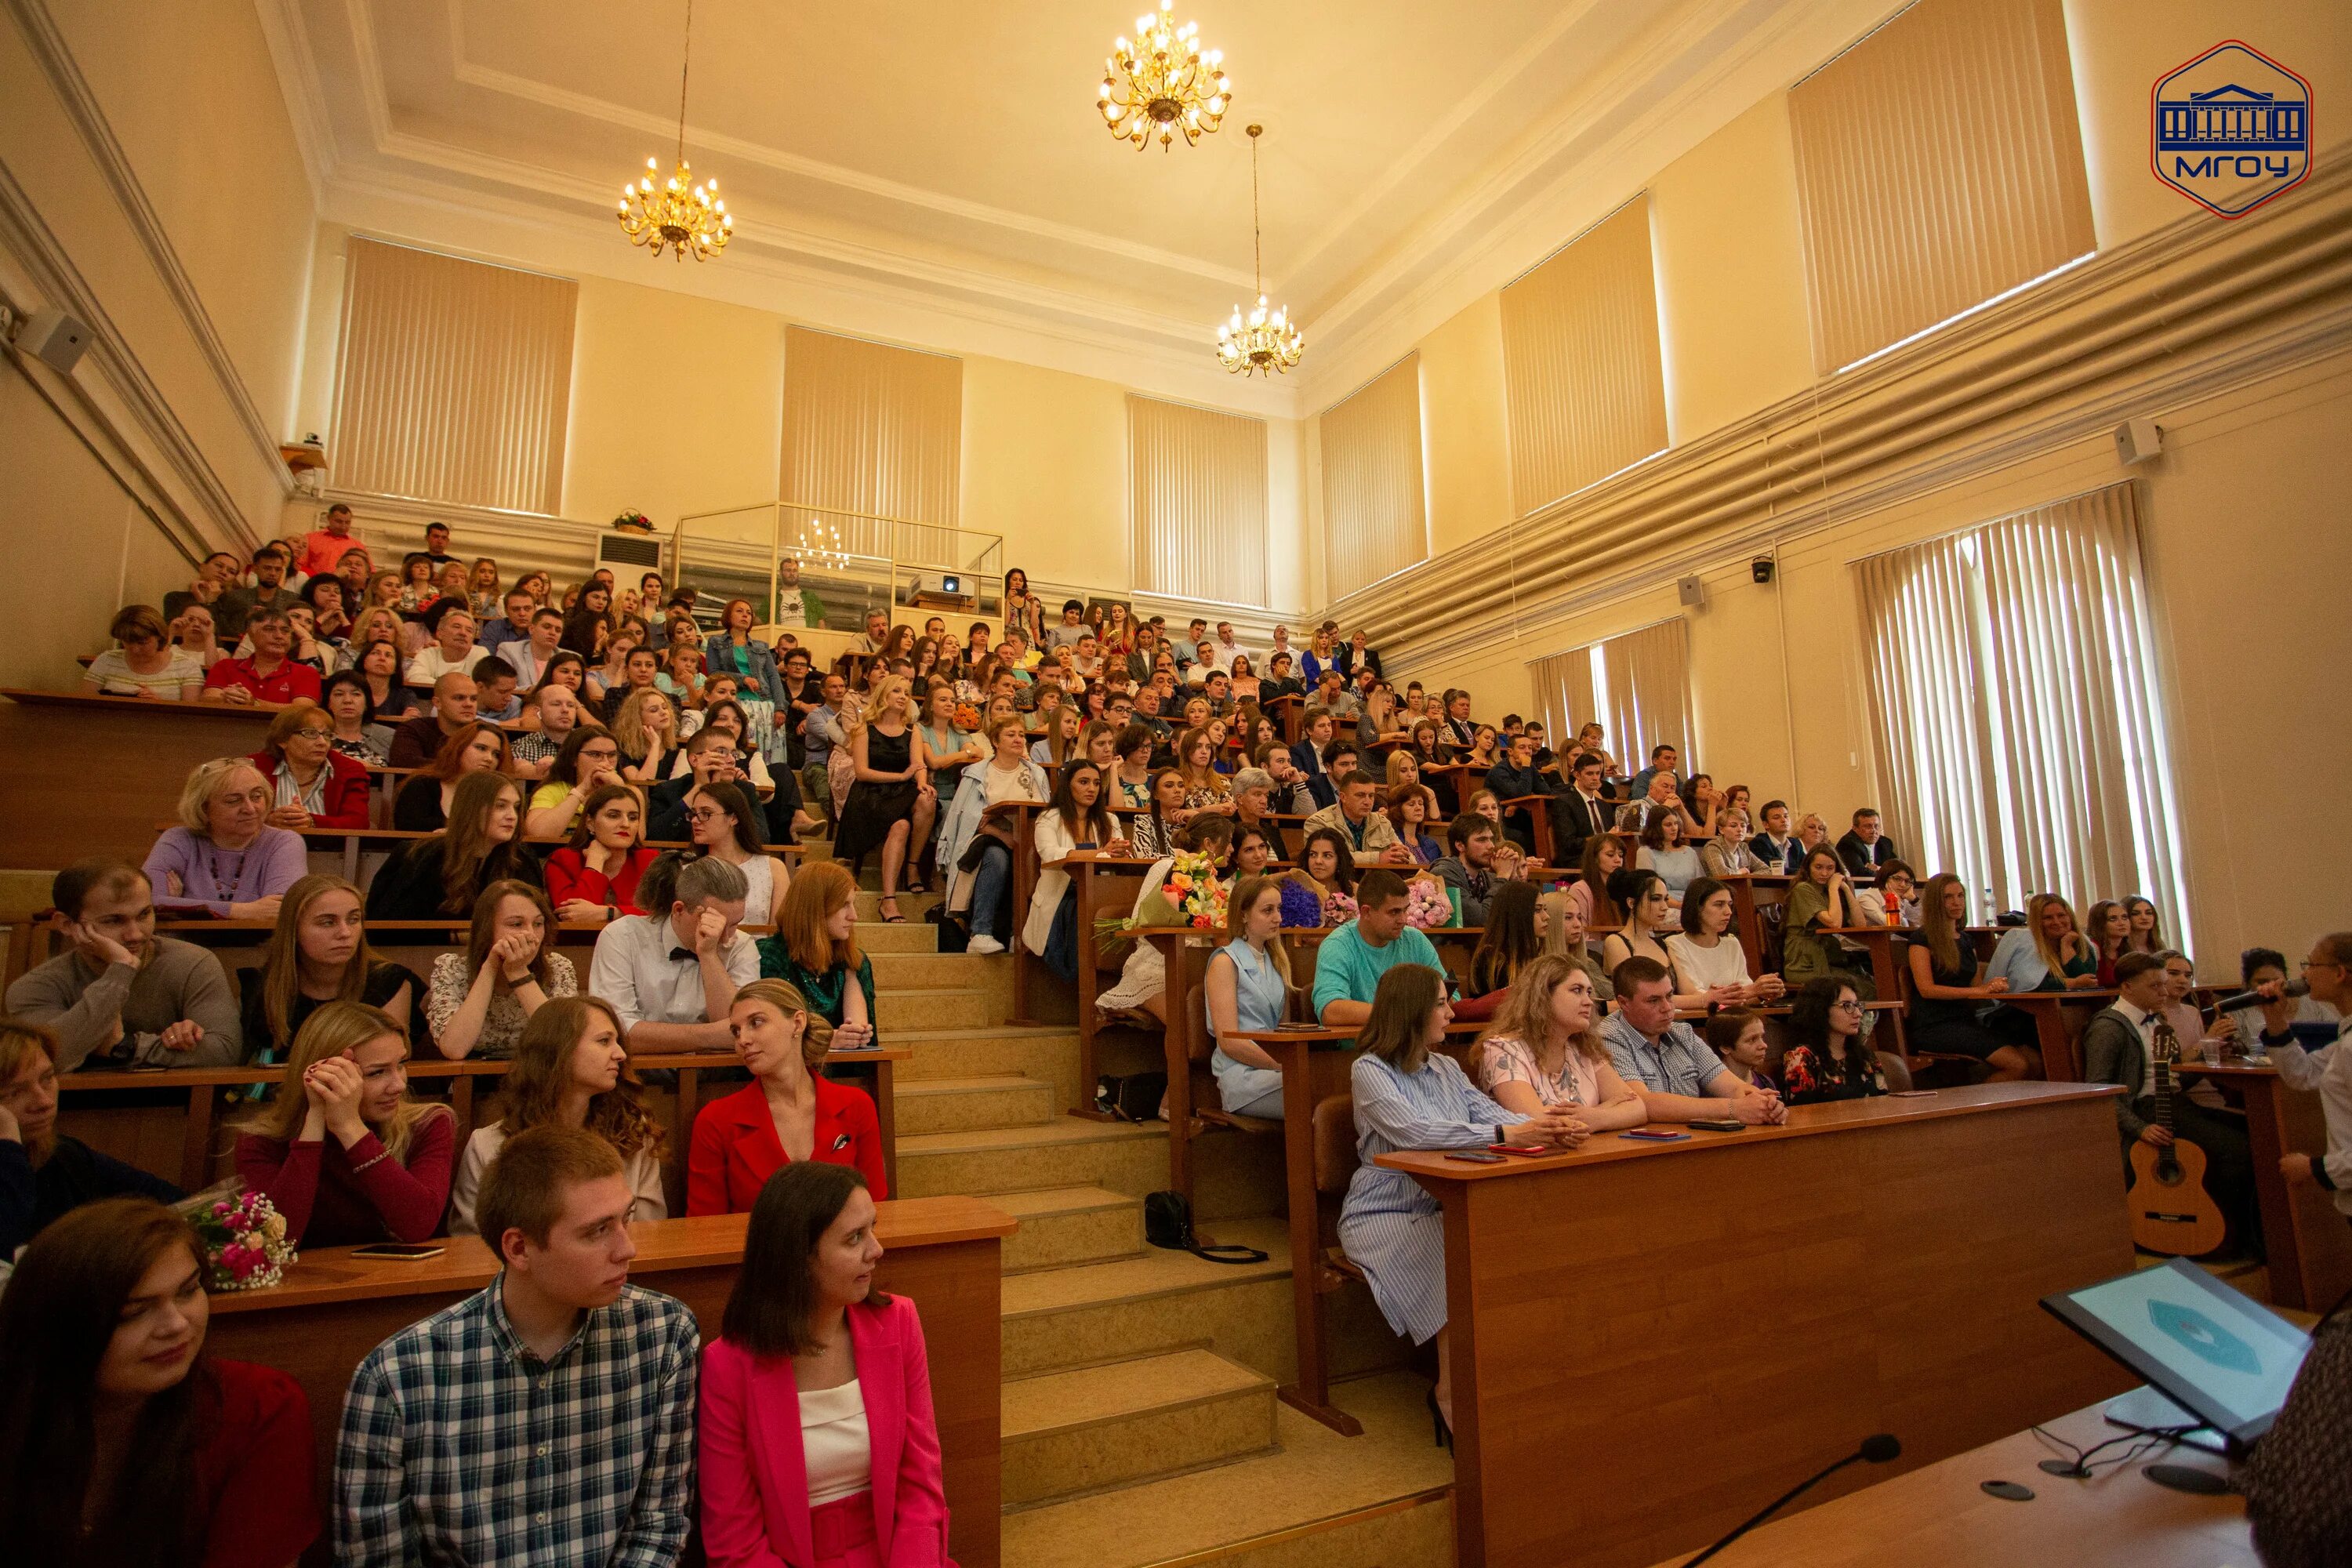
1349, 963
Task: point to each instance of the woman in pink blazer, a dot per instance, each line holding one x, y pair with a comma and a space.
818, 1445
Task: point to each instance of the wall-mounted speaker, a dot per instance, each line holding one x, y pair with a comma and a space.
1762, 568
1691, 592
54, 338
2138, 440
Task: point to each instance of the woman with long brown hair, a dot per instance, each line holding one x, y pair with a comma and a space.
122, 1444
441, 877
480, 999
1544, 1049
573, 1070
424, 802
343, 1151
593, 877
317, 953
1946, 1014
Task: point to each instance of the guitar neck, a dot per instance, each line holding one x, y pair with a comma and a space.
2165, 1051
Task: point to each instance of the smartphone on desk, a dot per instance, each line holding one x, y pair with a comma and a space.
1474, 1157
1524, 1150
1719, 1124
1654, 1135
400, 1251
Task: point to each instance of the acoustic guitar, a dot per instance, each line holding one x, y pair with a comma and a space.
2170, 1210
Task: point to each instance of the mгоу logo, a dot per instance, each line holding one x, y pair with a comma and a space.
2232, 129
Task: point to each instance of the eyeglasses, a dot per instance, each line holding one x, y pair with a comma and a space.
704, 814
599, 753
1847, 1004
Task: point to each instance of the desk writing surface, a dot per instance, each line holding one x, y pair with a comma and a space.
1804, 1122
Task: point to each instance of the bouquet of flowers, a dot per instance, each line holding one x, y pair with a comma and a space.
1195, 891
245, 1242
1338, 909
1426, 906
633, 521
966, 716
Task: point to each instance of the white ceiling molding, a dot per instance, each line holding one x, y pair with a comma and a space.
289, 39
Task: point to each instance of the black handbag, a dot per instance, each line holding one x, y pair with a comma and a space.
1131, 1096
1168, 1223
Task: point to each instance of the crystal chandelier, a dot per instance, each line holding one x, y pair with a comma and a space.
1171, 86
1264, 340
680, 213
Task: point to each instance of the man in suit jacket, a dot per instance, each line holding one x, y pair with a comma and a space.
1355, 654
1580, 812
2119, 1047
1306, 753
1867, 848
713, 761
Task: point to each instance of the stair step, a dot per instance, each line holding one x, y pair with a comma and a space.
1065, 1151
1083, 1430
1317, 1500
1065, 1227
967, 1104
915, 971
1049, 1055
878, 939
911, 905
934, 1007
1153, 1302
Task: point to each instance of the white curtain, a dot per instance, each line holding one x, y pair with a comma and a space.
453, 379
1375, 517
1635, 686
1939, 162
878, 430
1197, 484
2018, 723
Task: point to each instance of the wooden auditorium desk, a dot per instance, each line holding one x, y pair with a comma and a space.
1939, 1516
943, 1253
2309, 1246
88, 776
1649, 1341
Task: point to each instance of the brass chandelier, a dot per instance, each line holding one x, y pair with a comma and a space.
1169, 86
680, 213
1264, 340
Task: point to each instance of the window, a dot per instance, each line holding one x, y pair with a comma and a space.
454, 380
1582, 361
1636, 686
1197, 480
1375, 517
878, 432
1939, 163
2018, 731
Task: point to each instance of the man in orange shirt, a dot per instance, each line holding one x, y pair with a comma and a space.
323, 550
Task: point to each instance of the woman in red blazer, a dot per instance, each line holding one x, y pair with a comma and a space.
787, 1114
313, 784
818, 1446
594, 879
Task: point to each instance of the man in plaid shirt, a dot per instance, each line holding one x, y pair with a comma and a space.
549, 1419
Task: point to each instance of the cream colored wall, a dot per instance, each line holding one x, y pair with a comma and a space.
1466, 451
1045, 464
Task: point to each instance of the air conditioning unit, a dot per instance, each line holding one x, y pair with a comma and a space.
634, 551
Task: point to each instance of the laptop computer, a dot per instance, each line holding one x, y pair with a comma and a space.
2225, 1360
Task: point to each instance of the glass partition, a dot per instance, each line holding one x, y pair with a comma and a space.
818, 566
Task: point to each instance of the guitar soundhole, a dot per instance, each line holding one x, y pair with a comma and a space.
2168, 1169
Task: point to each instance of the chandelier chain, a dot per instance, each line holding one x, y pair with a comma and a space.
1265, 341
685, 64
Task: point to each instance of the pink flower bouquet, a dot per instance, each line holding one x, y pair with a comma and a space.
245, 1242
1427, 907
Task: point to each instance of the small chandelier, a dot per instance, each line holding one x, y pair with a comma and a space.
1171, 85
1264, 340
680, 213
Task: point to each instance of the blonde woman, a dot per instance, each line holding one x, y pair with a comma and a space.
374, 625
344, 1152
223, 859
1206, 789
1543, 1050
891, 803
572, 1071
790, 1111
647, 730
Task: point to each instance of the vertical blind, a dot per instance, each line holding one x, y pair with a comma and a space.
1582, 362
1939, 162
1375, 517
876, 430
1636, 686
2018, 726
454, 380
1197, 483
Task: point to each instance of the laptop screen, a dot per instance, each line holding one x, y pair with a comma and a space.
2223, 1357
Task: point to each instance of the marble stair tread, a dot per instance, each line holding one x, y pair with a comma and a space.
1157, 1272
1064, 1227
1061, 1130
1085, 1396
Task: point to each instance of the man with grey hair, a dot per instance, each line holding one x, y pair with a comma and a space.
2307, 1058
672, 972
1254, 805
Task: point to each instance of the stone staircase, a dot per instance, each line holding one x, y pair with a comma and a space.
1140, 1418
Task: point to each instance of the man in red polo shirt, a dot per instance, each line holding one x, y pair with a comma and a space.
322, 548
268, 677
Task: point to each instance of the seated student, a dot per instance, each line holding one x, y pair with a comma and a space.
223, 858
311, 784
481, 1001
813, 950
1467, 869
145, 664
1773, 848
1866, 848
43, 1173
318, 953
790, 1113
1646, 916
1560, 923
1410, 1096
1247, 988
1349, 963
1544, 1051
453, 651
1514, 777
269, 675
646, 727
1737, 1038
1604, 858
1074, 823
1821, 900
446, 1443
2045, 953
456, 707
593, 877
1320, 890
1894, 902
891, 804
2119, 1046
354, 733
1728, 854
440, 877
1946, 1002
1408, 810
1511, 940
1829, 1056
1370, 840
2107, 930
1677, 1077
1306, 755
809, 1347
530, 654
711, 757
639, 670
496, 696
589, 758
343, 1151
719, 821
672, 972
727, 716
120, 1441
1708, 960
118, 994
549, 716
1664, 851
571, 1070
975, 851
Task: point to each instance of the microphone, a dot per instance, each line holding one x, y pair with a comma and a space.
2247, 999
1878, 1449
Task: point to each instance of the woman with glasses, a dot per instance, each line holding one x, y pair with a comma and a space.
1832, 1058
311, 785
588, 759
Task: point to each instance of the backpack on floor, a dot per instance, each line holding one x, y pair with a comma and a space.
1168, 1223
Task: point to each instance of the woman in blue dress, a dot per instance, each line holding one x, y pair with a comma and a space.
1409, 1096
1247, 988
